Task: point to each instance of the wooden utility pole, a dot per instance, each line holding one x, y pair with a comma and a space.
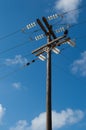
52, 43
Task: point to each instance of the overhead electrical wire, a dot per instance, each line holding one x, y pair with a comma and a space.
20, 30
10, 34
70, 25
68, 11
26, 42
31, 63
13, 33
80, 23
19, 69
22, 44
25, 65
7, 50
14, 47
10, 73
66, 57
4, 63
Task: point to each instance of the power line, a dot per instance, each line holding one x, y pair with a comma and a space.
70, 25
10, 34
25, 65
32, 61
68, 11
26, 42
4, 64
61, 29
7, 50
19, 30
14, 47
19, 44
19, 69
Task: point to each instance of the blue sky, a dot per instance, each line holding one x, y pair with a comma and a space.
23, 89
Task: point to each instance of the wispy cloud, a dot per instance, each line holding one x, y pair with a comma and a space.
21, 125
2, 112
60, 120
79, 65
18, 59
67, 5
17, 85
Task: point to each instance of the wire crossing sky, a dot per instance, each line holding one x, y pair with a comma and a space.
23, 75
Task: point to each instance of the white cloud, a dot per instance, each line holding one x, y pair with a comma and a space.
79, 65
21, 125
18, 59
2, 112
17, 85
59, 120
67, 5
